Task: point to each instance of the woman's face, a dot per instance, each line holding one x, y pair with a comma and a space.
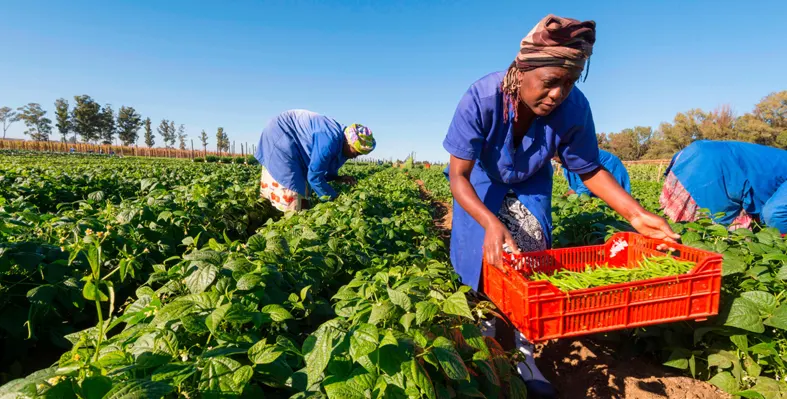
349, 152
544, 89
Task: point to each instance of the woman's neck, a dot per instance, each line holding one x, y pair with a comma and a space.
525, 118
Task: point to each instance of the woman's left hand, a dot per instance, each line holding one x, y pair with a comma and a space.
653, 226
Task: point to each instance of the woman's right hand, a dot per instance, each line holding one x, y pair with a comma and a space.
496, 235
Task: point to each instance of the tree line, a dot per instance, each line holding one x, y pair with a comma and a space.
91, 123
766, 124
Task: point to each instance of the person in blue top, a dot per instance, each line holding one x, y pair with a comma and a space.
301, 151
742, 182
504, 133
610, 163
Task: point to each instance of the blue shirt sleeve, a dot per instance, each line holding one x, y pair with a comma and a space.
465, 137
579, 151
325, 150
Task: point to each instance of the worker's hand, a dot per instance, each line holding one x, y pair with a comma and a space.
497, 235
653, 226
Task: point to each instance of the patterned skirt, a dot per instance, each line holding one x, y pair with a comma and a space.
680, 207
524, 227
280, 197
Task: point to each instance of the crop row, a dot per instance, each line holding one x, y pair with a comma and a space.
230, 318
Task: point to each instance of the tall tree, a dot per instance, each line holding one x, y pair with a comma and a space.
63, 122
7, 116
182, 136
163, 131
773, 110
222, 140
86, 118
203, 137
173, 134
128, 124
149, 139
107, 126
38, 125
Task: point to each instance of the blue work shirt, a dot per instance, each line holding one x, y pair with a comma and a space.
478, 132
727, 176
611, 163
300, 147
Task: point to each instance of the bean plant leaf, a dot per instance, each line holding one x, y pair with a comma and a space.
201, 278
745, 315
733, 264
96, 387
277, 313
216, 317
425, 311
400, 299
725, 381
456, 304
217, 380
422, 379
138, 389
779, 318
363, 341
263, 353
319, 356
381, 311
449, 359
765, 302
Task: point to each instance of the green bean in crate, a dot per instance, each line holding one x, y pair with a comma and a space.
601, 274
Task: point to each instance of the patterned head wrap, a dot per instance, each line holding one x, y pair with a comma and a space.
554, 41
557, 41
360, 138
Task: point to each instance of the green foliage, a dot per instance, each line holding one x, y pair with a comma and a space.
107, 127
38, 125
63, 122
128, 124
150, 140
86, 118
211, 158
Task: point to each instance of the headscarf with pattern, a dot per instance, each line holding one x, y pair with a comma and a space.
360, 138
554, 41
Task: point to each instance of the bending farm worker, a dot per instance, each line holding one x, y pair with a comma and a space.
742, 182
610, 163
505, 130
301, 151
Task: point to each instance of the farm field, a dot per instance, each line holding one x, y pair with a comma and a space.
135, 277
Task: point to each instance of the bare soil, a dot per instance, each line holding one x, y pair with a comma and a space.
586, 368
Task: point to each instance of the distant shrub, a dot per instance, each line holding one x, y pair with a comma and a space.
198, 159
239, 160
251, 160
211, 158
226, 159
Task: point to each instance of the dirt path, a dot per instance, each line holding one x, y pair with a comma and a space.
588, 368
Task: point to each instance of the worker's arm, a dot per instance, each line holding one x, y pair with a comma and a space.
604, 186
496, 233
324, 151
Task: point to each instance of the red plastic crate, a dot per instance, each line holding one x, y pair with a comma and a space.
542, 312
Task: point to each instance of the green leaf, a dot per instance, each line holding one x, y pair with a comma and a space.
741, 342
96, 387
363, 341
389, 339
449, 359
745, 315
317, 359
164, 215
725, 381
42, 295
425, 311
782, 274
722, 359
752, 368
202, 278
344, 390
718, 230
91, 292
475, 339
96, 196
517, 389
779, 318
381, 311
765, 302
768, 388
175, 372
732, 264
422, 379
249, 281
407, 320
277, 313
456, 304
257, 243
217, 378
262, 353
775, 257
679, 359
138, 389
216, 317
400, 299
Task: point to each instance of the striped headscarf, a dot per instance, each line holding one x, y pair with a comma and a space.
360, 138
554, 41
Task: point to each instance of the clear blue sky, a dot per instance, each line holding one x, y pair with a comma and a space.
399, 67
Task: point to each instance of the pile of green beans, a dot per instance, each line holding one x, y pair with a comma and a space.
601, 274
